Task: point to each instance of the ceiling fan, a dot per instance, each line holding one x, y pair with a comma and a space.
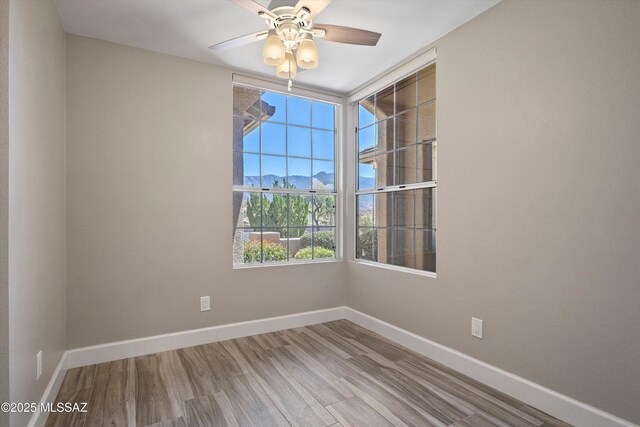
289, 39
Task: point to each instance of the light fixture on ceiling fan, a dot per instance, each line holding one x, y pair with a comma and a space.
289, 41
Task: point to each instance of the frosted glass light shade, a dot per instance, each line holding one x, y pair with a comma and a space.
307, 54
273, 52
288, 69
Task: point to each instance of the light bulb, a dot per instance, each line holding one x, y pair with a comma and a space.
288, 69
307, 54
273, 52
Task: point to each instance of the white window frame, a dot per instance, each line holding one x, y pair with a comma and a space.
411, 66
337, 101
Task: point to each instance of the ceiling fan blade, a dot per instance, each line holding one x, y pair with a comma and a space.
255, 8
239, 41
337, 33
314, 6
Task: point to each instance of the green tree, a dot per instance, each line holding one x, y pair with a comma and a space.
274, 212
323, 210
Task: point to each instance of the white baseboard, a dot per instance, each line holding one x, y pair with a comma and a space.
556, 404
549, 401
38, 419
139, 347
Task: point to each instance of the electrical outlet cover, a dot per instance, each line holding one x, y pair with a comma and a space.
476, 327
205, 303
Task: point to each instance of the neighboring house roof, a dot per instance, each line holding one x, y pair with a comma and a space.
248, 104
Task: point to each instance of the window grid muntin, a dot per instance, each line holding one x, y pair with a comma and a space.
375, 153
294, 191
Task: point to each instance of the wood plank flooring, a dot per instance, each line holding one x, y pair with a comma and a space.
332, 374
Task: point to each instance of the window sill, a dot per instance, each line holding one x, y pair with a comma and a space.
395, 268
284, 264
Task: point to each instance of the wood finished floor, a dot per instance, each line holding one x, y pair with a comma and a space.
332, 374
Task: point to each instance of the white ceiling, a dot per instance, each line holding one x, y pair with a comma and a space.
186, 28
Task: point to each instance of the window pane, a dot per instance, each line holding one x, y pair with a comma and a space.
366, 112
322, 115
382, 242
323, 210
274, 138
323, 175
275, 247
299, 111
246, 169
324, 242
301, 243
296, 234
384, 103
427, 122
426, 162
276, 146
427, 84
274, 105
367, 244
424, 208
384, 170
275, 212
366, 174
397, 226
406, 166
323, 144
251, 140
401, 245
385, 135
247, 246
426, 250
274, 171
402, 214
299, 212
247, 211
300, 173
246, 102
246, 134
406, 93
406, 128
367, 140
382, 209
299, 141
364, 206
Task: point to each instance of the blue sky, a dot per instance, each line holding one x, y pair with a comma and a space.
318, 119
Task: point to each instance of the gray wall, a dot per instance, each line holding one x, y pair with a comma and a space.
149, 203
538, 202
4, 207
538, 208
37, 252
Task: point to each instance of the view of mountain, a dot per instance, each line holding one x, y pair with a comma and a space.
320, 180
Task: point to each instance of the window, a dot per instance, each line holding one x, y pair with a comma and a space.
284, 189
396, 173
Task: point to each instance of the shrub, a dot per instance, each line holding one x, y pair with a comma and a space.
271, 251
324, 239
305, 253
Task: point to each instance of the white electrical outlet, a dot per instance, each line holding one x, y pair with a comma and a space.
476, 327
38, 365
205, 303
